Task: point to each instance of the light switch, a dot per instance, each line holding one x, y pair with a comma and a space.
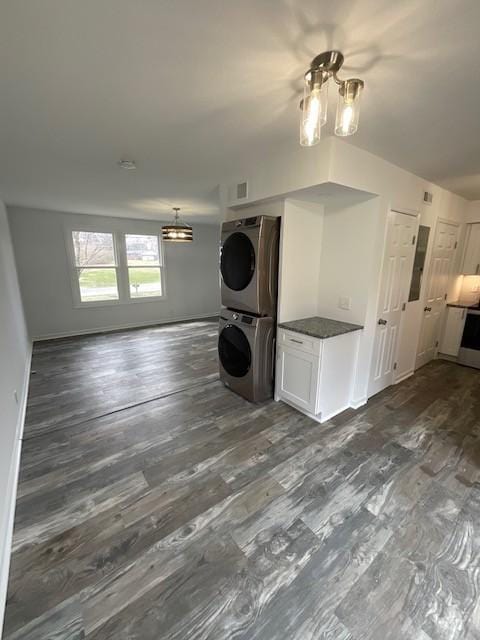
345, 303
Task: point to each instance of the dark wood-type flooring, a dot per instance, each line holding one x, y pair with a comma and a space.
198, 516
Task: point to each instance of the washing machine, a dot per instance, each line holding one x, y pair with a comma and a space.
246, 354
249, 265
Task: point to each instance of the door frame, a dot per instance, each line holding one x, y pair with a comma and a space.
414, 213
426, 280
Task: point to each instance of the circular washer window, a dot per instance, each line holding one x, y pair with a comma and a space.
234, 351
237, 263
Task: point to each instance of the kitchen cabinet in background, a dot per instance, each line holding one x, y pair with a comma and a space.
471, 259
453, 331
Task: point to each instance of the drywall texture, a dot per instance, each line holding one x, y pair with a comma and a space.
191, 271
14, 365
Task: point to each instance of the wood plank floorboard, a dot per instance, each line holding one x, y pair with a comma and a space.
77, 379
194, 515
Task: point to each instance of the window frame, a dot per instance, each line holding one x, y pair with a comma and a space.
121, 267
160, 266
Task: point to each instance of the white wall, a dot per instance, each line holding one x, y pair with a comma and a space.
347, 259
192, 283
15, 352
299, 267
335, 161
473, 211
278, 174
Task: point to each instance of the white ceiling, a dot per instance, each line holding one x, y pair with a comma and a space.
192, 89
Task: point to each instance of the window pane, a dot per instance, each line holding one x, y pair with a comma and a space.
144, 282
97, 284
93, 249
142, 250
419, 263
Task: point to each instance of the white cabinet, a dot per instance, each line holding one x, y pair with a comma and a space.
471, 259
315, 375
297, 377
453, 331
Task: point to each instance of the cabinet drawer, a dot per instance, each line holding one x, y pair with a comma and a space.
299, 341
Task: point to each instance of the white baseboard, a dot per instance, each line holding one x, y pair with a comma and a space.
320, 418
119, 327
356, 404
332, 414
404, 376
6, 543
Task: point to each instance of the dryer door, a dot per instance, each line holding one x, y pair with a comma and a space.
234, 351
237, 262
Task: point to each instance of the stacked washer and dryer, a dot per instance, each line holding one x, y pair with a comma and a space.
249, 269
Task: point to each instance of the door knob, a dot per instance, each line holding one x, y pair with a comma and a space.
382, 321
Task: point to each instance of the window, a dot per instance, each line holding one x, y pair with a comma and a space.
96, 265
110, 268
144, 266
419, 263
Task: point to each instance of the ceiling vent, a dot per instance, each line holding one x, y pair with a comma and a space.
427, 197
242, 190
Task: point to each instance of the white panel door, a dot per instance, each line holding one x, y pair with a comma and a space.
396, 275
441, 265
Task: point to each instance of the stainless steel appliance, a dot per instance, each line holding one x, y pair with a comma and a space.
245, 349
249, 265
469, 353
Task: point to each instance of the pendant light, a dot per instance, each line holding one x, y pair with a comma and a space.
315, 99
178, 231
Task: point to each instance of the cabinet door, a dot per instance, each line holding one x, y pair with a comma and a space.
297, 376
471, 261
452, 335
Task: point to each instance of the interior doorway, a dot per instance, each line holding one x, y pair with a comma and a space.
396, 274
441, 265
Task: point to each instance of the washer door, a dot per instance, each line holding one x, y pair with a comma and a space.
234, 351
237, 263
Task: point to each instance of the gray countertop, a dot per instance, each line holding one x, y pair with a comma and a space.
317, 327
463, 305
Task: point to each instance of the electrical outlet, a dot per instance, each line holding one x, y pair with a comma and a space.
345, 303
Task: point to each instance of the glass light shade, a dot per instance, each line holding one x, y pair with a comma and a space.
348, 108
314, 108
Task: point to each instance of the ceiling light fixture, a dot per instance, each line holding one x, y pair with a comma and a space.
315, 99
127, 164
178, 231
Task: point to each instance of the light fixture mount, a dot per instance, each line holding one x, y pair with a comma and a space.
330, 61
314, 104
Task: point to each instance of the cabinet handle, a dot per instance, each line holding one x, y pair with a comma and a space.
428, 309
297, 341
477, 269
382, 321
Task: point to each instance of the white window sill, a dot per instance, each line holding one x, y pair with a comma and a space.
113, 303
